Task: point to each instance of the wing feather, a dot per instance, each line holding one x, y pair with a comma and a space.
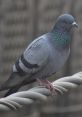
35, 56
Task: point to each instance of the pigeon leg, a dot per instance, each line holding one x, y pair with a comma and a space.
46, 83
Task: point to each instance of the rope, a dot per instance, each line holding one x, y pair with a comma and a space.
40, 93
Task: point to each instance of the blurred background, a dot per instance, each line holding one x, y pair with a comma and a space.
20, 22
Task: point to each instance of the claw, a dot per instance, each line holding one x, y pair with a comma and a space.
47, 84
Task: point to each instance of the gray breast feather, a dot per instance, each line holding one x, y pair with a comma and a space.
55, 61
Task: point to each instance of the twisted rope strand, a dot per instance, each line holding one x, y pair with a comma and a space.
40, 93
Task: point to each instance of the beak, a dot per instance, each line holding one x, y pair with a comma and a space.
75, 24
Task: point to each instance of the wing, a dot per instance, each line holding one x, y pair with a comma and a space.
35, 56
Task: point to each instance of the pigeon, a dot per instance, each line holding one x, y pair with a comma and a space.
43, 57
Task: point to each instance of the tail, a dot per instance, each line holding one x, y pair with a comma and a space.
16, 88
9, 83
12, 90
15, 82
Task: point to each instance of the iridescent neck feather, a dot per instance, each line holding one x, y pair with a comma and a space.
61, 37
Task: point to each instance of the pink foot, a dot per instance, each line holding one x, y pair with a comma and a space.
47, 84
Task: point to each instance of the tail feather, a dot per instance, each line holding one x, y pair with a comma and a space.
9, 83
12, 90
12, 81
15, 82
16, 88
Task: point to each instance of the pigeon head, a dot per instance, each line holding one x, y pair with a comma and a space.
66, 22
62, 29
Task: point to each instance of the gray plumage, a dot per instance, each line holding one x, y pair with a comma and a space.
44, 56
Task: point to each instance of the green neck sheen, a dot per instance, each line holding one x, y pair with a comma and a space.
61, 39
